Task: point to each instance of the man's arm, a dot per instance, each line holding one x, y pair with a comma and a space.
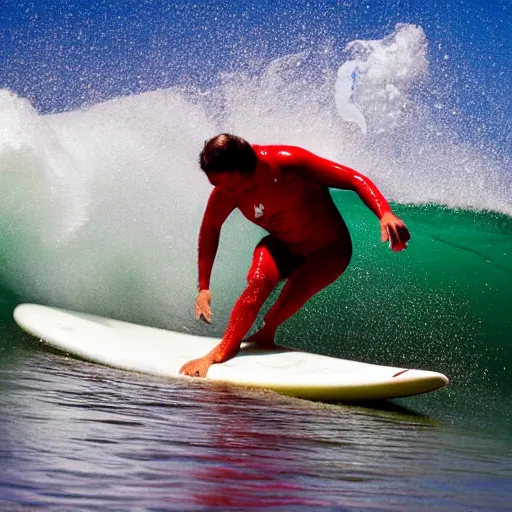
218, 209
334, 175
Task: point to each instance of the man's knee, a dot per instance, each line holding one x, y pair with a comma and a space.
260, 283
346, 257
343, 256
259, 287
334, 265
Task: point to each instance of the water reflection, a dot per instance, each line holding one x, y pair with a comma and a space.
79, 435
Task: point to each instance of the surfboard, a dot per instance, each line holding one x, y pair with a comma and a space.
159, 352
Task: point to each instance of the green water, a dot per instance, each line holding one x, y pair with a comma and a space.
444, 304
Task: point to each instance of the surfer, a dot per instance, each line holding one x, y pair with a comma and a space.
285, 190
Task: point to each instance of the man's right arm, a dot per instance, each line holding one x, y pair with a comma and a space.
218, 209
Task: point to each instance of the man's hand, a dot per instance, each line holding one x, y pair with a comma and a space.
392, 229
203, 309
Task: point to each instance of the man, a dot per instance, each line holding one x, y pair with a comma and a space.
285, 190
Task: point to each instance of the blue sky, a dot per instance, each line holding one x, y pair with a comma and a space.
63, 54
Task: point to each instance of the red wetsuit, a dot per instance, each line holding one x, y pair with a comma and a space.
290, 200
309, 243
288, 196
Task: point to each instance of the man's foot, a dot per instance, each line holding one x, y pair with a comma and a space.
197, 367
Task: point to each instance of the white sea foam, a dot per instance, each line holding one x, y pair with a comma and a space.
375, 83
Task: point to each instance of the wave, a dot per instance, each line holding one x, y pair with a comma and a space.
100, 207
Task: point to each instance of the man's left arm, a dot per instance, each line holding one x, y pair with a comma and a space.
334, 175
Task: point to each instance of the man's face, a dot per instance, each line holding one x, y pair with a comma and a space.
230, 182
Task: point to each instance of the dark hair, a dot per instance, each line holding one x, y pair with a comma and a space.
227, 153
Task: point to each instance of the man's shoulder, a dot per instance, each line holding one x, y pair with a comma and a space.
284, 149
220, 205
280, 154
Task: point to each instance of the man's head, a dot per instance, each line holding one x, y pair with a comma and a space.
227, 153
228, 161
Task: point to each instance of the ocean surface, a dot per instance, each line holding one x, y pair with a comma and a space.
100, 205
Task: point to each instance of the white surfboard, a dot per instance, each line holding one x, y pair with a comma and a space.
159, 352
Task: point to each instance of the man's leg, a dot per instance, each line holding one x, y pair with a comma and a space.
320, 269
262, 278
